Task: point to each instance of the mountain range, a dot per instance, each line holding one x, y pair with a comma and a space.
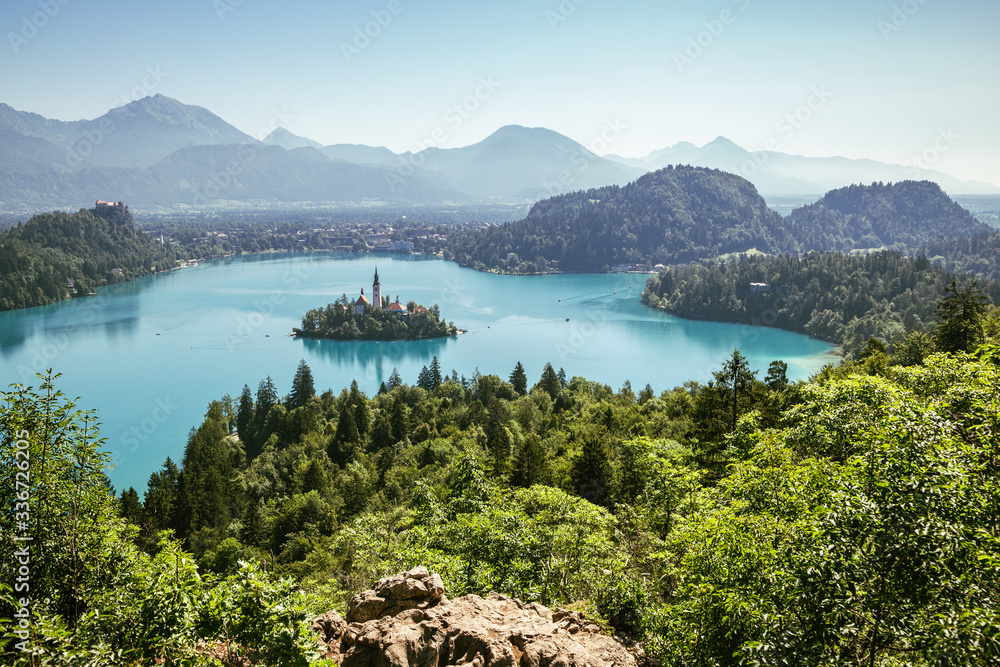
776, 173
160, 154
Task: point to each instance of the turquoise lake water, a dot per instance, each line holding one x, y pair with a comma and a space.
151, 354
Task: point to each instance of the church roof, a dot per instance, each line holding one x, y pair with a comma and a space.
395, 307
362, 301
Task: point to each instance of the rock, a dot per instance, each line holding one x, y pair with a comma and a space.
417, 626
416, 589
330, 626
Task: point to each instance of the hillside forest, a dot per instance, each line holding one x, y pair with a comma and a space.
845, 520
847, 299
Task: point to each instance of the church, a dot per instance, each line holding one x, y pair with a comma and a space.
376, 302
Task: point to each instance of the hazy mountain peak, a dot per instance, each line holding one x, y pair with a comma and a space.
721, 142
522, 133
289, 141
146, 130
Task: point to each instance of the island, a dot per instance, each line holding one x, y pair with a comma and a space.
375, 319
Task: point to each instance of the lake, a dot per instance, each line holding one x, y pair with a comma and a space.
151, 354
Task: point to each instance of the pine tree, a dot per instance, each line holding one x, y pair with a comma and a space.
737, 378
130, 508
960, 318
359, 406
267, 398
253, 531
160, 498
425, 380
591, 472
244, 416
549, 382
519, 379
435, 370
777, 378
206, 488
302, 387
347, 428
267, 395
394, 379
399, 418
381, 432
562, 377
531, 465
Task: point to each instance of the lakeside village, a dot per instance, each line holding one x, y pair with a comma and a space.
403, 237
375, 319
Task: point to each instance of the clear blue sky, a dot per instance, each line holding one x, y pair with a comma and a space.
894, 76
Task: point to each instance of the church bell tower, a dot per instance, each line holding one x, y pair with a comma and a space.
376, 292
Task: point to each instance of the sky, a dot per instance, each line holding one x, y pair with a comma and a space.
913, 82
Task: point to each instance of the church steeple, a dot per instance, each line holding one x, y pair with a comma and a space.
376, 292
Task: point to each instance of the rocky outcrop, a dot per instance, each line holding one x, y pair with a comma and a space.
416, 589
406, 621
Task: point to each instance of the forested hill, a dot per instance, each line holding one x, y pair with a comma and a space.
880, 215
682, 214
845, 298
677, 214
92, 248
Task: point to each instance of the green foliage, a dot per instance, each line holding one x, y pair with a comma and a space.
979, 255
302, 386
881, 215
519, 379
849, 520
91, 247
677, 214
864, 533
685, 214
94, 598
54, 491
538, 543
960, 314
843, 298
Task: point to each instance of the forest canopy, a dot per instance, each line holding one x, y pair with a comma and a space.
847, 299
94, 247
684, 214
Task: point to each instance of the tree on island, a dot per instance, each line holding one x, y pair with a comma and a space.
338, 321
